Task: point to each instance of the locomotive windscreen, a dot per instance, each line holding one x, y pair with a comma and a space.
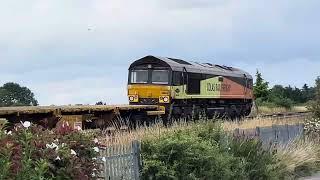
139, 76
160, 77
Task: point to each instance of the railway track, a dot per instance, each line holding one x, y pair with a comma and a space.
283, 115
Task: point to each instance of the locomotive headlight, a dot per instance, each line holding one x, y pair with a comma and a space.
133, 98
164, 99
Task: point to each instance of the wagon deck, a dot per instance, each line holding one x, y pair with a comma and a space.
71, 109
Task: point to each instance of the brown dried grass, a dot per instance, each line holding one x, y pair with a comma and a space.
301, 152
124, 135
261, 122
272, 110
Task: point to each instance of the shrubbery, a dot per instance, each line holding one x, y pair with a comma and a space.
314, 105
30, 152
275, 102
312, 126
206, 152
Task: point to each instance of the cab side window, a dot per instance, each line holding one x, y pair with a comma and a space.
177, 78
194, 80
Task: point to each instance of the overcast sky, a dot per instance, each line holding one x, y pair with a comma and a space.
78, 51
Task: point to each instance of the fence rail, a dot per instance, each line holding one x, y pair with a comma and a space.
277, 134
121, 162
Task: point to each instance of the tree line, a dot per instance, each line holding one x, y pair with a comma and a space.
282, 96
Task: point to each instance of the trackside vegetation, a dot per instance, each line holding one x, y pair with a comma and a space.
280, 96
205, 151
30, 152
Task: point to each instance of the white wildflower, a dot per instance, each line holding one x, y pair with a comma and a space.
63, 144
53, 146
58, 158
26, 124
94, 158
104, 159
7, 133
73, 152
78, 128
96, 149
96, 140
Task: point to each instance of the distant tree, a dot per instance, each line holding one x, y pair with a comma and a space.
260, 88
277, 90
288, 92
100, 103
307, 93
315, 105
277, 96
12, 94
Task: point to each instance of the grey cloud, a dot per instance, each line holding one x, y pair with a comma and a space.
51, 43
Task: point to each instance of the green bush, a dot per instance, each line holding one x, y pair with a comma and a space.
205, 152
274, 101
283, 102
314, 107
30, 152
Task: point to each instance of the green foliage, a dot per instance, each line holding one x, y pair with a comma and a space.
278, 99
35, 153
259, 162
315, 104
260, 88
279, 96
12, 94
205, 152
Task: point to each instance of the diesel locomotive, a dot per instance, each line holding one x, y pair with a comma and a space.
190, 89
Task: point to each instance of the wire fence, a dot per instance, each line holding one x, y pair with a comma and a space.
277, 134
121, 162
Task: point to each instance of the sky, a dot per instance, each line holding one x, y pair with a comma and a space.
78, 51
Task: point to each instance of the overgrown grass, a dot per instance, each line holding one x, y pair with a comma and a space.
122, 136
300, 158
261, 122
272, 110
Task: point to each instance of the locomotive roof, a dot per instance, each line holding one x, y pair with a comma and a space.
190, 66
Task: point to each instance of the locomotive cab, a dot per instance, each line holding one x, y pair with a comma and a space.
149, 82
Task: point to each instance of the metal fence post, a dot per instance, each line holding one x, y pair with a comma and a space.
258, 131
136, 159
